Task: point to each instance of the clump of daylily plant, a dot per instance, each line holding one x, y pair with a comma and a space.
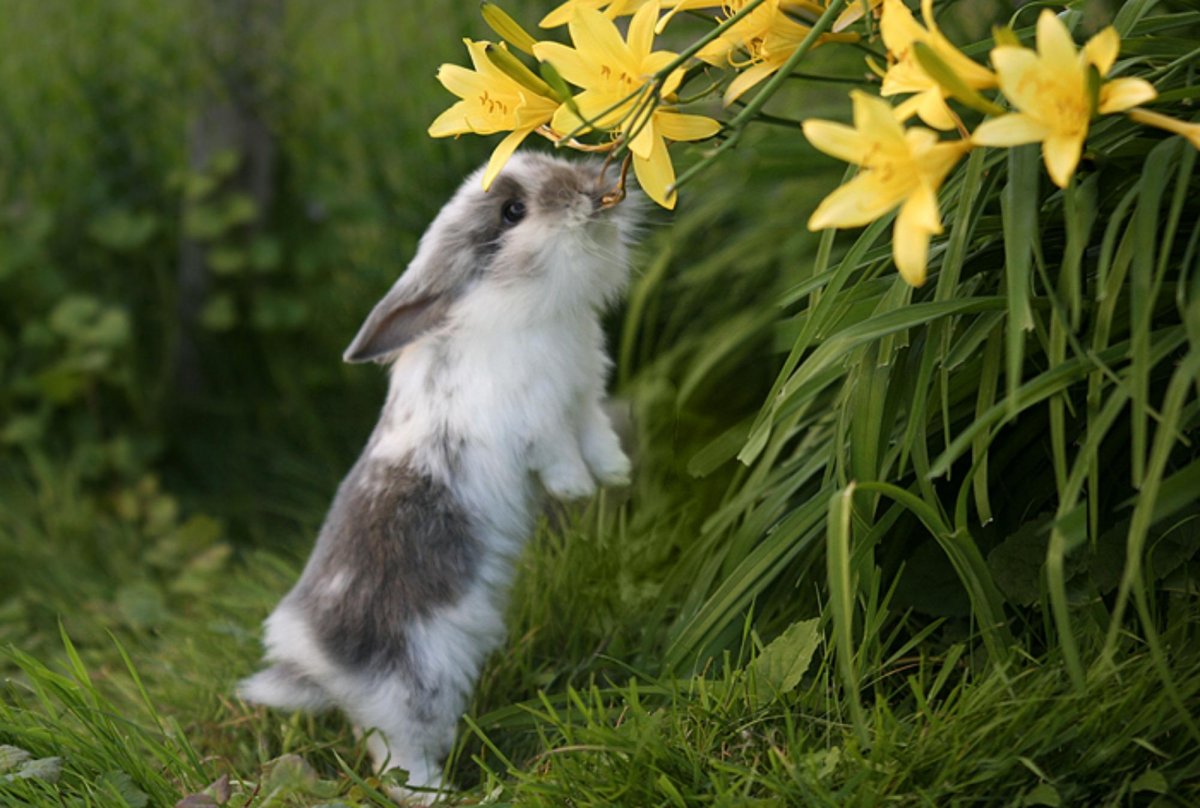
619, 95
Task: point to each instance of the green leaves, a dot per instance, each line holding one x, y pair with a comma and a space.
1001, 407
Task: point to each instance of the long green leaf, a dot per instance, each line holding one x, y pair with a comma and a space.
1020, 232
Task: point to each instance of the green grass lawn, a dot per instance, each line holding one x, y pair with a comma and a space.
133, 703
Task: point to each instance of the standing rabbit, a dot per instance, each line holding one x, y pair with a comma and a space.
497, 375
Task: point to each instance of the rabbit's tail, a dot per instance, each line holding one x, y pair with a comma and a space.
286, 686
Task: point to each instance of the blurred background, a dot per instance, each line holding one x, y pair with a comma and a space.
199, 201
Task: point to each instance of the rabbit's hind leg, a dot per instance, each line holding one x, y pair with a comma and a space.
409, 724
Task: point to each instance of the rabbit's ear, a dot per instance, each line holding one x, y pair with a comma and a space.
403, 315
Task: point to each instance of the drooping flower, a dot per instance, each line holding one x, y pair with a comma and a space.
492, 101
1191, 131
767, 36
900, 166
906, 75
619, 95
1050, 90
852, 13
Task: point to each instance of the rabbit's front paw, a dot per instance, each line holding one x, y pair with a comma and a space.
567, 481
612, 468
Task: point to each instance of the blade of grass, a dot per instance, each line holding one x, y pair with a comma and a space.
841, 602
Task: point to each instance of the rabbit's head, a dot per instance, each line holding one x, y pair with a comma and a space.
538, 246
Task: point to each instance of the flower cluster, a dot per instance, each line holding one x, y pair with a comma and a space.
625, 90
618, 94
1054, 90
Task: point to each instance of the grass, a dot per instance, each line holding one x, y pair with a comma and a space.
564, 716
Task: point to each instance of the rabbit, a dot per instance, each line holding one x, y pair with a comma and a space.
497, 381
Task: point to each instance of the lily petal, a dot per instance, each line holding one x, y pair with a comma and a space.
504, 150
745, 80
1102, 49
920, 211
593, 33
874, 115
643, 142
1119, 95
837, 140
898, 28
1013, 66
934, 111
596, 109
1189, 130
641, 30
908, 108
671, 82
534, 110
905, 76
850, 15
562, 14
1013, 129
451, 122
937, 161
570, 63
1061, 154
910, 235
558, 16
860, 201
675, 126
971, 72
910, 252
656, 174
462, 82
1054, 43
717, 51
478, 53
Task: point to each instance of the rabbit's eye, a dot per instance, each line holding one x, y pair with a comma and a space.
512, 212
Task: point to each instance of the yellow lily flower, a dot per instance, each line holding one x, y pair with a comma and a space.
905, 75
492, 101
1191, 131
853, 12
613, 74
1049, 88
900, 166
612, 9
767, 35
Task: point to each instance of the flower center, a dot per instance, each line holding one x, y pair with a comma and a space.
1061, 105
889, 167
496, 107
621, 81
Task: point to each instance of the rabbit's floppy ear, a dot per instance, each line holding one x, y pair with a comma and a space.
400, 317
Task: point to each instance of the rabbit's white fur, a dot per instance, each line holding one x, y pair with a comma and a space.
515, 372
